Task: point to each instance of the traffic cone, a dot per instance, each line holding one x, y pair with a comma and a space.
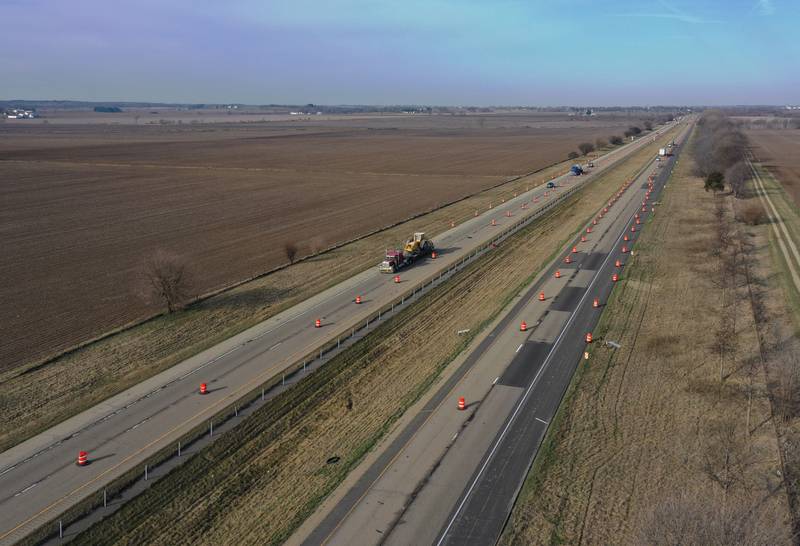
523, 326
203, 388
541, 296
589, 229
433, 255
317, 323
358, 300
624, 249
583, 238
633, 229
594, 222
617, 264
625, 238
574, 250
462, 404
83, 458
558, 274
397, 279
596, 303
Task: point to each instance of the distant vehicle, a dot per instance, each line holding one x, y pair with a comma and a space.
591, 165
551, 184
416, 247
658, 159
576, 170
663, 152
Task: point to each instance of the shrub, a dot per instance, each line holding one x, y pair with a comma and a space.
753, 214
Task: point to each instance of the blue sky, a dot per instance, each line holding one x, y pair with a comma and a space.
465, 52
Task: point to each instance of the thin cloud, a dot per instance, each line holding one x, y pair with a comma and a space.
691, 19
765, 7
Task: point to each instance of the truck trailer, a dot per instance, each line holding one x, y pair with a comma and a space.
415, 248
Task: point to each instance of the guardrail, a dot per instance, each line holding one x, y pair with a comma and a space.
227, 418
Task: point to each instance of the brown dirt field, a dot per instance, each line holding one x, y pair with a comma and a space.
640, 437
779, 151
84, 205
257, 487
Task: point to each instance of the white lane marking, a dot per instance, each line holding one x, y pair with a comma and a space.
454, 437
518, 348
527, 393
276, 345
542, 421
496, 379
26, 489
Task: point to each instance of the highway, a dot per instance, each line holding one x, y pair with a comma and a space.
452, 477
39, 478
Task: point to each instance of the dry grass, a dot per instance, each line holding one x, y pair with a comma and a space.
777, 150
259, 484
645, 432
33, 399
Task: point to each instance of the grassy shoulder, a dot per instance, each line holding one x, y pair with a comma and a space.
259, 482
671, 435
36, 397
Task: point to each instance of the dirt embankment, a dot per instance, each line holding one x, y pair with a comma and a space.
671, 438
84, 206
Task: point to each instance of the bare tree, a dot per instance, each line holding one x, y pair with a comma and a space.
648, 125
290, 248
573, 155
601, 143
687, 520
737, 175
167, 280
586, 148
616, 140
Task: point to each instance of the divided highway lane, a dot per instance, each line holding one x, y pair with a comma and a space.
38, 478
409, 493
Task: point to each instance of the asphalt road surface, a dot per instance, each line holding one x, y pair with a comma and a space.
39, 478
452, 477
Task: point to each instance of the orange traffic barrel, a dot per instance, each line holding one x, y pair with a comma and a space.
596, 303
558, 274
625, 238
83, 458
541, 296
397, 278
574, 250
617, 264
317, 323
624, 249
633, 229
523, 326
358, 299
589, 229
203, 388
462, 404
494, 222
588, 337
583, 238
615, 277
433, 255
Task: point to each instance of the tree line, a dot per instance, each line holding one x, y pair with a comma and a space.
720, 153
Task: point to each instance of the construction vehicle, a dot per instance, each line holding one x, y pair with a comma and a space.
416, 247
576, 170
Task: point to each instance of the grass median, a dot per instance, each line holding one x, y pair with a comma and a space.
257, 483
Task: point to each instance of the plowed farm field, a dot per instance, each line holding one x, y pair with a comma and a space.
85, 205
779, 151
